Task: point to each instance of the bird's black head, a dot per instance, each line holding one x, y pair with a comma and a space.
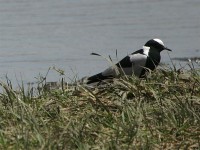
157, 44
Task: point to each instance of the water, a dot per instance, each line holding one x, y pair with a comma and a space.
38, 34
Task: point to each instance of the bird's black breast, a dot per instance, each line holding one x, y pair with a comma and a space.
153, 59
152, 62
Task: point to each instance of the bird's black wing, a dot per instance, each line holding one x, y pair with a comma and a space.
140, 51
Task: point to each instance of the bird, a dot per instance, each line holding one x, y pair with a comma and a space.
137, 63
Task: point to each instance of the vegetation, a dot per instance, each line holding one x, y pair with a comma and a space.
159, 112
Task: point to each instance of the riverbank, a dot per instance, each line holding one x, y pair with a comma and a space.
160, 112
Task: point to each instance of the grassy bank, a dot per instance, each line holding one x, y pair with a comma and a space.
162, 111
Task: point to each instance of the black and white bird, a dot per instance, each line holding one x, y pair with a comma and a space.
137, 63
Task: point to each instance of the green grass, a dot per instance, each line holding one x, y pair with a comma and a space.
159, 112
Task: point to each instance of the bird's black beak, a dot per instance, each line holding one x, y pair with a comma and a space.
168, 49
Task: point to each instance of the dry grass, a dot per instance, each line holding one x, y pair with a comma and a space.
160, 112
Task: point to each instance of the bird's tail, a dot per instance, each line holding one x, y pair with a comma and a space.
97, 78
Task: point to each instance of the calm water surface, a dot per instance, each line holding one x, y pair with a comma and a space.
38, 34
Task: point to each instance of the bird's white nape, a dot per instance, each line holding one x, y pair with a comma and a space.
146, 50
159, 41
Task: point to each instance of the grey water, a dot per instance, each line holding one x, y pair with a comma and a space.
38, 34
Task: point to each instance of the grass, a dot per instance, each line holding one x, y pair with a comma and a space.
159, 112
